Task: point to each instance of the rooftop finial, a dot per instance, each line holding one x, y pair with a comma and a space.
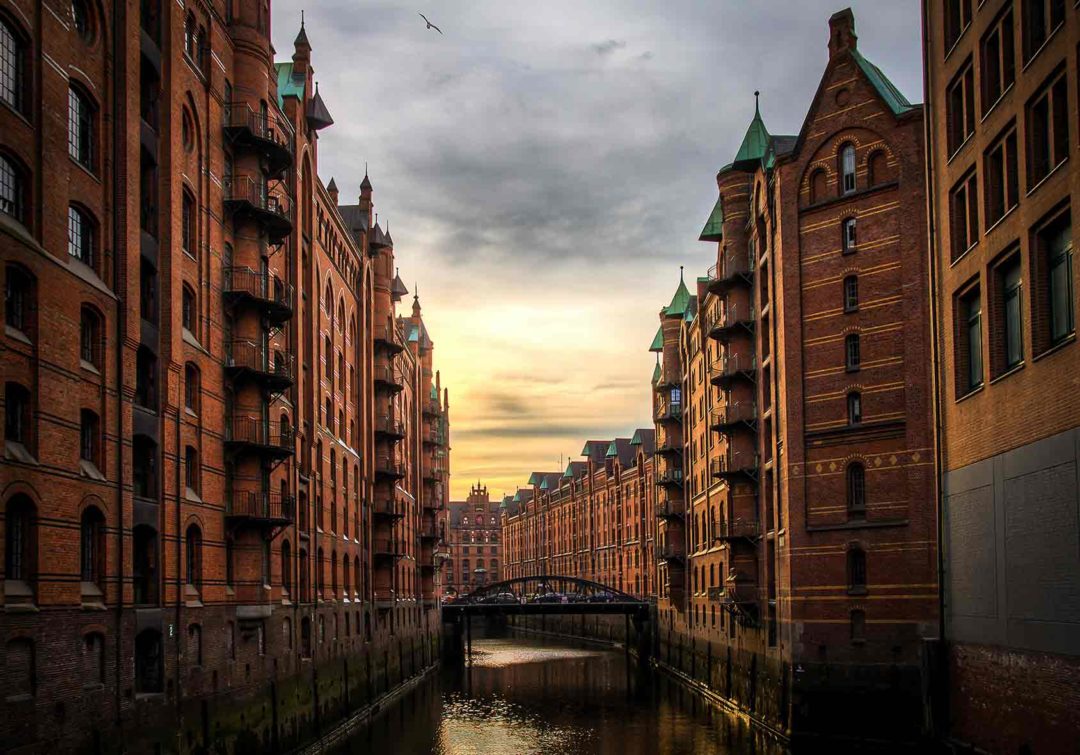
301, 18
757, 96
680, 273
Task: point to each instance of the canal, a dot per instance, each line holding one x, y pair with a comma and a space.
527, 696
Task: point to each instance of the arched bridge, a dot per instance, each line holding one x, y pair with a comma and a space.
545, 594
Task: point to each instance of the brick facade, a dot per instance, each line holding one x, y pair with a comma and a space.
472, 543
225, 446
1003, 126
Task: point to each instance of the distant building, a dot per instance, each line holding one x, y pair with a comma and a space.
593, 520
1004, 125
472, 543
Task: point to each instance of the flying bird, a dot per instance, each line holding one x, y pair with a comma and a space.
429, 24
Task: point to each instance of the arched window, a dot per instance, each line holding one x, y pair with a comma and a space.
144, 467
190, 37
194, 645
854, 408
851, 293
341, 315
81, 242
818, 186
333, 574
90, 438
20, 545
144, 566
19, 299
191, 388
852, 355
92, 546
878, 169
188, 239
191, 469
148, 662
12, 186
13, 67
188, 310
193, 556
286, 567
20, 673
93, 658
356, 575
90, 339
82, 20
856, 569
81, 116
847, 169
848, 236
18, 423
856, 489
146, 378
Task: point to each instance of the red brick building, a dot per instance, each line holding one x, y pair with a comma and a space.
805, 557
592, 521
472, 543
224, 447
1003, 118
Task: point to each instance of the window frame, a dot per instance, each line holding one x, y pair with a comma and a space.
1001, 176
82, 127
850, 292
1003, 60
968, 188
1055, 86
849, 235
82, 236
847, 149
852, 352
960, 117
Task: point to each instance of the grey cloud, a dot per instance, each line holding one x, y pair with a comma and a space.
609, 46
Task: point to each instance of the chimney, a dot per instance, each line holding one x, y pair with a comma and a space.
842, 33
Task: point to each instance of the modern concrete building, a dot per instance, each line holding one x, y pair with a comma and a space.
219, 477
1002, 124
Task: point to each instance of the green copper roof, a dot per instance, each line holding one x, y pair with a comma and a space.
585, 450
612, 451
714, 226
569, 471
544, 485
535, 477
287, 84
756, 141
636, 440
656, 373
896, 101
658, 340
681, 300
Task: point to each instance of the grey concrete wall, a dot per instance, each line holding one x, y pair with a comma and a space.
1012, 548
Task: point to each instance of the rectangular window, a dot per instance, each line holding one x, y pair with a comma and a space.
960, 107
1040, 19
88, 437
1012, 324
1053, 281
1047, 129
969, 359
854, 408
997, 60
964, 213
851, 293
80, 128
957, 19
848, 235
1002, 181
853, 356
187, 224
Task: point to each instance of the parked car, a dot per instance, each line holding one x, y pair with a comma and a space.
501, 599
549, 597
575, 597
601, 597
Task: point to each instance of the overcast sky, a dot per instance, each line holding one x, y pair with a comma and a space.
545, 167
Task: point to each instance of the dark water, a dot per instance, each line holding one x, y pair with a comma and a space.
541, 697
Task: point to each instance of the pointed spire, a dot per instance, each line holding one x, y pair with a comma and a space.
317, 113
301, 40
681, 300
756, 142
366, 183
332, 190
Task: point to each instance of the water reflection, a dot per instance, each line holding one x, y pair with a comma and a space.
529, 697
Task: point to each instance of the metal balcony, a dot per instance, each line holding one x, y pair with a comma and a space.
733, 367
667, 411
274, 440
386, 548
386, 509
269, 294
668, 379
671, 552
388, 377
725, 419
247, 360
265, 509
387, 337
731, 530
267, 134
390, 426
429, 532
670, 509
734, 465
249, 196
670, 478
734, 269
724, 324
389, 467
666, 446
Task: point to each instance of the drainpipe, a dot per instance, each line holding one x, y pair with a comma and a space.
120, 323
935, 349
